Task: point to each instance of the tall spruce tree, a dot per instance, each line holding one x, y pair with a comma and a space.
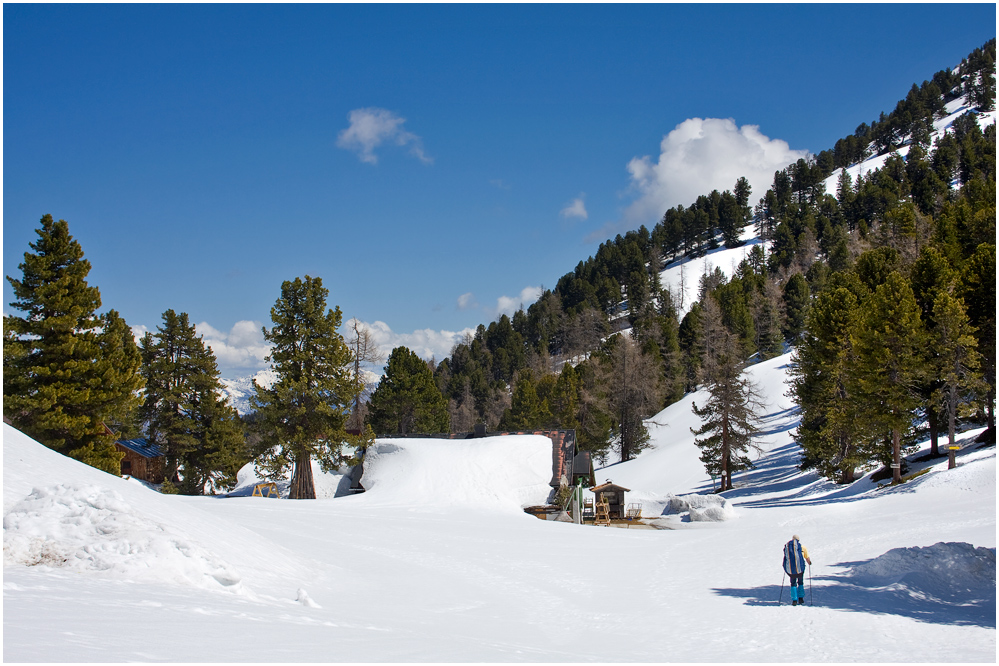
184, 411
729, 416
304, 412
978, 291
407, 399
70, 375
957, 358
830, 428
931, 275
888, 341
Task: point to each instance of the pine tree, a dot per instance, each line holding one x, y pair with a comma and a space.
69, 374
184, 411
305, 411
729, 415
796, 300
830, 430
887, 342
931, 275
407, 400
527, 411
957, 356
977, 289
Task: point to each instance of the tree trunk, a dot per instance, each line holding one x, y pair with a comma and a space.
934, 432
896, 456
952, 416
302, 484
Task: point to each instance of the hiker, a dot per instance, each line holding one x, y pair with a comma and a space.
795, 556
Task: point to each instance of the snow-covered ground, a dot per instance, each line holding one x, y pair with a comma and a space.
437, 561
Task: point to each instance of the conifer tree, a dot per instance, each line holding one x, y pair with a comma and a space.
931, 275
957, 357
888, 342
407, 399
69, 374
978, 291
830, 430
305, 411
729, 416
631, 390
796, 300
527, 411
184, 411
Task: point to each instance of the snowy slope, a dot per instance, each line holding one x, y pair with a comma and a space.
954, 110
424, 567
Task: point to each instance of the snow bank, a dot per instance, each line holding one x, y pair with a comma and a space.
83, 527
702, 508
943, 571
505, 473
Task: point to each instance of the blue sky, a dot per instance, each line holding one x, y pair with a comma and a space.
435, 165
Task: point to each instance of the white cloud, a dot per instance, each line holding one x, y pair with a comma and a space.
508, 305
575, 208
371, 127
242, 349
426, 343
701, 155
467, 301
138, 332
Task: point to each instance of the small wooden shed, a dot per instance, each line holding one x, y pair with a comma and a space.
143, 459
613, 494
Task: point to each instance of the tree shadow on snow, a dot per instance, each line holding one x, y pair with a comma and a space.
837, 593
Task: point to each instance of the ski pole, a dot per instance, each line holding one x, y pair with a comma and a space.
811, 599
781, 596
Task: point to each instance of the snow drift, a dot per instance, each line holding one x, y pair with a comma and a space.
505, 473
88, 528
702, 508
949, 571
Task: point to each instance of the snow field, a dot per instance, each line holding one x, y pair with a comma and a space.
437, 561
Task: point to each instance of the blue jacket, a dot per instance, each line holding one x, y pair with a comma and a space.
794, 557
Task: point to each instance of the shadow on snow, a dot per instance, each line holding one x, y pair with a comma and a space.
839, 593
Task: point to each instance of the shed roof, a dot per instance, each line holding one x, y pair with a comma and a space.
609, 486
142, 446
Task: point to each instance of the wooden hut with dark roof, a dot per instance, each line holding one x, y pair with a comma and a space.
143, 459
613, 495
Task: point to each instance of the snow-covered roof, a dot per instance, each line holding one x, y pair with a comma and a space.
143, 447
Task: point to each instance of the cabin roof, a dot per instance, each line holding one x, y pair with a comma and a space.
609, 486
142, 446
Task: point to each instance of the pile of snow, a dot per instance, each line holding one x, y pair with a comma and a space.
505, 473
942, 571
89, 528
702, 508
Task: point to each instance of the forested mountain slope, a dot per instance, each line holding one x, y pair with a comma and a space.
901, 211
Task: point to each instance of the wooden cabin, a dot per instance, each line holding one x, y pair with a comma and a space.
143, 459
613, 494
